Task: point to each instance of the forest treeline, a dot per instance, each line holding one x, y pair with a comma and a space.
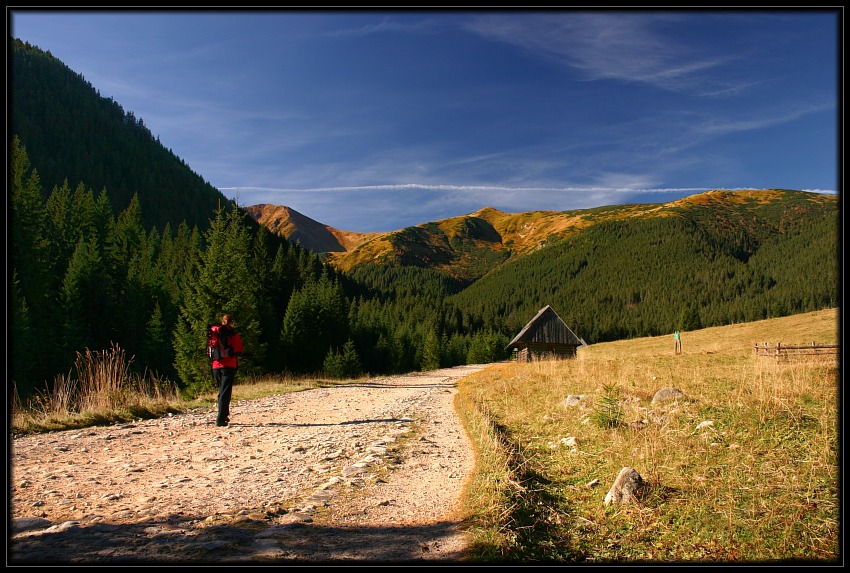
85, 279
138, 252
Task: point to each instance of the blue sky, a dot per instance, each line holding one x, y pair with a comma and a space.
374, 120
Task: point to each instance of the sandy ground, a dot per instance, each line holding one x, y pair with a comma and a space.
367, 472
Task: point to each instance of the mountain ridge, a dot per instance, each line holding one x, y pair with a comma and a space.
468, 246
296, 227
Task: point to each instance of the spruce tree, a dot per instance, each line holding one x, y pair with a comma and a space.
689, 319
63, 236
84, 288
157, 354
135, 277
32, 308
28, 248
21, 344
222, 281
332, 365
431, 351
351, 366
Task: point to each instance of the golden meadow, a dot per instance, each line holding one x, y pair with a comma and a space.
743, 469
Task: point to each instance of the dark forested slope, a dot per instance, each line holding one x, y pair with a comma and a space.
72, 133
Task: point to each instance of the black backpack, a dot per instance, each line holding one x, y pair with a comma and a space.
218, 342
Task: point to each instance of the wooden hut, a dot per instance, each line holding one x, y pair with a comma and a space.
545, 336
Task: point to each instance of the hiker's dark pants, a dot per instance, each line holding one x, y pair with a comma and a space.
224, 377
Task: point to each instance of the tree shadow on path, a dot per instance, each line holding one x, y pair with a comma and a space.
181, 539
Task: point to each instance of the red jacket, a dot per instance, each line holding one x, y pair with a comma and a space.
236, 350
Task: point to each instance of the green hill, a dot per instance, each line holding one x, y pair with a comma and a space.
620, 271
712, 259
470, 246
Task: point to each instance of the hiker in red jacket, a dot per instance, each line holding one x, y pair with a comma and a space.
224, 363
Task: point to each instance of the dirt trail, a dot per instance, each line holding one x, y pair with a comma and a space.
365, 472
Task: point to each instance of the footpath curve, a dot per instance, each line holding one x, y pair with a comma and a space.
367, 472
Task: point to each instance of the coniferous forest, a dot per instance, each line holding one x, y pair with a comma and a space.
114, 241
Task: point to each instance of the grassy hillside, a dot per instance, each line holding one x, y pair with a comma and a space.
734, 341
744, 468
457, 245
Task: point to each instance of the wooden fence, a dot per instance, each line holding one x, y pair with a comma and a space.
787, 350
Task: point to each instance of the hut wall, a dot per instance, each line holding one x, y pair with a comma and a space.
545, 352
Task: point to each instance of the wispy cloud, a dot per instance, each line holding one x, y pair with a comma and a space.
715, 127
631, 47
454, 188
377, 119
396, 23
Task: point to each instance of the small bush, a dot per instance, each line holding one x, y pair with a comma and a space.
608, 412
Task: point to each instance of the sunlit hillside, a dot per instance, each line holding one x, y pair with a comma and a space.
469, 246
820, 327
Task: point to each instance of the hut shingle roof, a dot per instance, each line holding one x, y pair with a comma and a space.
546, 328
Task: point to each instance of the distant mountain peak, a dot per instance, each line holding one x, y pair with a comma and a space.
299, 228
485, 212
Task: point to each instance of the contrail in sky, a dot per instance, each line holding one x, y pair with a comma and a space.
418, 186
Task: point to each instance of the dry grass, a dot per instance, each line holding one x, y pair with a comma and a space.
743, 469
104, 390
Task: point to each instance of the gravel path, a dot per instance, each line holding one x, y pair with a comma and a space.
367, 472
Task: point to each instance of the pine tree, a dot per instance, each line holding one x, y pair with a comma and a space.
332, 365
21, 343
351, 367
126, 238
28, 233
139, 292
84, 288
157, 354
689, 319
32, 308
273, 291
487, 346
102, 218
431, 351
222, 281
63, 236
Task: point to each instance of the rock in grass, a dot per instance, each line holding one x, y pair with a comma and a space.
628, 487
666, 394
